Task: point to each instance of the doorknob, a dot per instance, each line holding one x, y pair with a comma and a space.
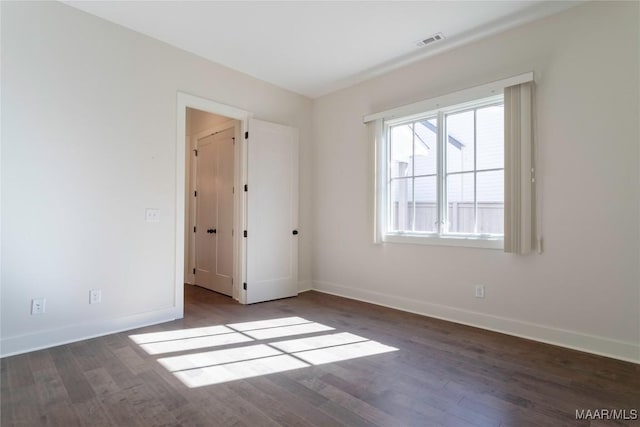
295, 232
212, 231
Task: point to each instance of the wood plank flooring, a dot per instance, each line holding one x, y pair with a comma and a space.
442, 374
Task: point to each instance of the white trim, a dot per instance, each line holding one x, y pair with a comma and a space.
190, 157
82, 331
459, 97
445, 240
185, 100
210, 106
627, 351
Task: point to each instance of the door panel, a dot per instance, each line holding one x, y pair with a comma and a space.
272, 212
224, 237
206, 208
214, 184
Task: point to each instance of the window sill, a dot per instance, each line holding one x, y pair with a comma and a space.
461, 241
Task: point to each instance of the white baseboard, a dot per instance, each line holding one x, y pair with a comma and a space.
621, 350
10, 346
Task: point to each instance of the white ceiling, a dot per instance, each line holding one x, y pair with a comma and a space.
314, 48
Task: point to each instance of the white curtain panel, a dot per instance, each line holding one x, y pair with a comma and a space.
519, 214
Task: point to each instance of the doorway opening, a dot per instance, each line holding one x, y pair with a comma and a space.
262, 174
197, 117
210, 259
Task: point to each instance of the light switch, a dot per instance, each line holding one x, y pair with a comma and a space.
152, 215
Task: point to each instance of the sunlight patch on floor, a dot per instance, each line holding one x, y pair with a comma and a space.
238, 370
271, 323
180, 334
343, 352
312, 343
247, 359
286, 331
217, 357
194, 343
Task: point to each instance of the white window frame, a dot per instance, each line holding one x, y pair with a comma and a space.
457, 101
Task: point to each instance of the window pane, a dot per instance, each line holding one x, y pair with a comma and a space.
490, 199
401, 150
460, 142
426, 197
426, 148
401, 204
490, 137
460, 208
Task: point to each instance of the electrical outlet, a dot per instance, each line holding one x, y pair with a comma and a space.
38, 305
479, 291
95, 296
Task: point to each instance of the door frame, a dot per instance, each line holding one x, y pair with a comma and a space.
184, 101
193, 201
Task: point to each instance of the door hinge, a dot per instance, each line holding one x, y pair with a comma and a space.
245, 233
194, 271
246, 135
233, 190
246, 187
244, 286
196, 152
195, 194
234, 140
194, 229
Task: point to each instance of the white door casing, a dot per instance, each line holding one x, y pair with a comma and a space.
182, 214
272, 212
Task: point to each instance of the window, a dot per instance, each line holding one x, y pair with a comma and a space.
459, 169
445, 175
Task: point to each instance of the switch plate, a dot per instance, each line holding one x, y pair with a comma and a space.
38, 305
152, 215
479, 291
95, 296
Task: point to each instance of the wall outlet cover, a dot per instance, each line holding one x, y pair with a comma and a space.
38, 306
95, 296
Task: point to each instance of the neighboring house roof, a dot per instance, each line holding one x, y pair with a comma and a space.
426, 123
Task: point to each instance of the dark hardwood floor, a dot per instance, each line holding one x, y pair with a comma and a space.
439, 373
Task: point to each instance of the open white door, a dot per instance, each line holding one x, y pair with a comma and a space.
272, 212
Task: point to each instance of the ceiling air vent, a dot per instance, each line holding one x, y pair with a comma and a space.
431, 39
